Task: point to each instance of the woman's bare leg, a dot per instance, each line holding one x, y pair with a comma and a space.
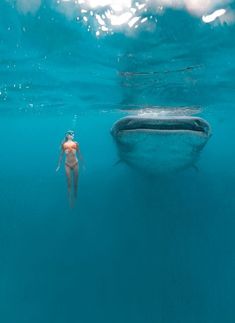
69, 183
75, 180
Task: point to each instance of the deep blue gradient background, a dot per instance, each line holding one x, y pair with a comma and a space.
134, 249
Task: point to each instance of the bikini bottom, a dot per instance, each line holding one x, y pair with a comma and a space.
71, 165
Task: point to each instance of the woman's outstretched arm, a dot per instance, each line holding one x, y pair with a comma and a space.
60, 158
80, 157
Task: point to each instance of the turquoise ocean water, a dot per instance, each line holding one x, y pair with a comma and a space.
134, 249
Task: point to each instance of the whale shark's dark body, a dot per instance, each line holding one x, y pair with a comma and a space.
160, 144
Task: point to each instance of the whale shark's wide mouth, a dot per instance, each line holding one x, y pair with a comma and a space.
167, 124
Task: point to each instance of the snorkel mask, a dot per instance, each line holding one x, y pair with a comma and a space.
70, 133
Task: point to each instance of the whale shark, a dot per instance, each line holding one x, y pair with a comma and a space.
160, 145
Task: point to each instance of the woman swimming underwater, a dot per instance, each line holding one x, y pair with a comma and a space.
70, 148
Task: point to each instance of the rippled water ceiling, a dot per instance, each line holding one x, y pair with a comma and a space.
107, 16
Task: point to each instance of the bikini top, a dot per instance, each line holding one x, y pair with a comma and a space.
70, 146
